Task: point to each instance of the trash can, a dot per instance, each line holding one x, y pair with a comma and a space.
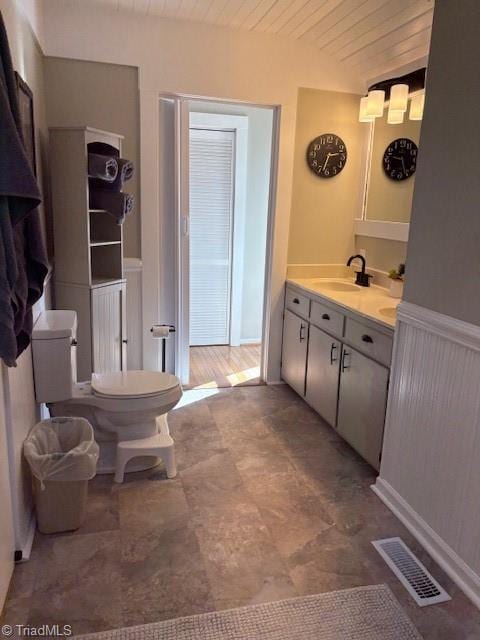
62, 455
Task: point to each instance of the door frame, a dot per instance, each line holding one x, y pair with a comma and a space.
153, 223
239, 125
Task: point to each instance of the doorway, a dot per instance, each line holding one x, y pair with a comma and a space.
229, 183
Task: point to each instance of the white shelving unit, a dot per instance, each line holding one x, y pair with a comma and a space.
89, 276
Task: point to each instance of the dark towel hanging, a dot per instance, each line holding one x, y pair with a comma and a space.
23, 259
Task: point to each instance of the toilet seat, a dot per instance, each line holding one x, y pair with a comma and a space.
132, 384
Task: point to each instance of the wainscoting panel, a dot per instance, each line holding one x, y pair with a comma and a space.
430, 472
133, 274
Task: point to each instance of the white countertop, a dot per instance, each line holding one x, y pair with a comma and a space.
372, 302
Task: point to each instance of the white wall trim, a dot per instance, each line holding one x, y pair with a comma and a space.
382, 229
238, 124
429, 473
452, 329
451, 563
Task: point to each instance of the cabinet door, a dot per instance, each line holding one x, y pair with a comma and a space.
323, 367
294, 351
109, 328
361, 404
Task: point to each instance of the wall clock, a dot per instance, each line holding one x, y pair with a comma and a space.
327, 155
400, 159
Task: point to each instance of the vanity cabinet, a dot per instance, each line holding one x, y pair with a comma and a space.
339, 362
362, 401
323, 369
294, 351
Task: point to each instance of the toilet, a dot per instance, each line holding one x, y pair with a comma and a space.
127, 409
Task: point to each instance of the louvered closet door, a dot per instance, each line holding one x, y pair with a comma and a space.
211, 225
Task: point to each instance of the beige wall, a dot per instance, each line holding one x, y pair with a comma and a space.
214, 62
104, 96
443, 252
18, 409
387, 199
323, 210
381, 254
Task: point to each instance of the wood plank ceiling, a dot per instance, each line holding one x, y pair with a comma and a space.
372, 37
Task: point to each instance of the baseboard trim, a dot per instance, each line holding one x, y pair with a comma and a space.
23, 554
466, 579
250, 341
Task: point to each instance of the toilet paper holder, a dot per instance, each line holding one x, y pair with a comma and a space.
162, 331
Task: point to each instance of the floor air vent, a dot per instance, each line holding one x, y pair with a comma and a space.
423, 588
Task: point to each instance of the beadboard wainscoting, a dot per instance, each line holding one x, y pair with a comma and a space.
133, 273
430, 470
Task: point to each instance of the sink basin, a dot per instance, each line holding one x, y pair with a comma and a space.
388, 312
336, 286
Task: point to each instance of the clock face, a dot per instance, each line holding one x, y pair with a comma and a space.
327, 155
400, 159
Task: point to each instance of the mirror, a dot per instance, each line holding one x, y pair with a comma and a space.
390, 180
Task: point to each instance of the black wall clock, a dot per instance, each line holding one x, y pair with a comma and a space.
400, 159
327, 155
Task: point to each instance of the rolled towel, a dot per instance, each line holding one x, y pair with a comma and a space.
125, 172
102, 168
119, 205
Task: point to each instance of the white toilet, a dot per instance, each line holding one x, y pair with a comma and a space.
128, 410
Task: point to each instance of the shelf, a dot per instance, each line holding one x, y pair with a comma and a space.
101, 243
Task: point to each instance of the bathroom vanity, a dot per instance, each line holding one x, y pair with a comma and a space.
336, 354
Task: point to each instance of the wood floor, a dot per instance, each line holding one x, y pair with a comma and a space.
224, 366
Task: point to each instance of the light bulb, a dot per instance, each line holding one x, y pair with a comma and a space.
399, 97
362, 114
375, 102
416, 106
395, 117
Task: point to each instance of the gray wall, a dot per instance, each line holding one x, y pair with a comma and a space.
443, 260
104, 96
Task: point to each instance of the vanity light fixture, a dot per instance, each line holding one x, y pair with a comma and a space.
398, 97
375, 102
416, 106
362, 115
396, 91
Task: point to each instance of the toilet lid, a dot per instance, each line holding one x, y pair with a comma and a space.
132, 384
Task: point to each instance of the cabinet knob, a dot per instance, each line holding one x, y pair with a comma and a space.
125, 341
73, 342
367, 338
325, 316
296, 301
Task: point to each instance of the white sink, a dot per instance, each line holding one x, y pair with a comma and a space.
337, 286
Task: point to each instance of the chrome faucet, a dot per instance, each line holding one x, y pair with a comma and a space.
362, 279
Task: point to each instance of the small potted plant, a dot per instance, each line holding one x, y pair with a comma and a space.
396, 285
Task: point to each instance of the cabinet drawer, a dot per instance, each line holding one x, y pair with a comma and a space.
297, 303
371, 342
326, 318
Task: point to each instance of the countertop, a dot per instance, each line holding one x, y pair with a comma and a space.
373, 302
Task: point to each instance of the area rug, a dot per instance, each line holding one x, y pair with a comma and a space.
363, 613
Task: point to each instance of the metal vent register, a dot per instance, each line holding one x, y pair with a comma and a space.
421, 585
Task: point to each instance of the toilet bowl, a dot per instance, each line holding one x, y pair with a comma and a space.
122, 407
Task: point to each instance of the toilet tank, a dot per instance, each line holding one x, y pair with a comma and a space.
54, 355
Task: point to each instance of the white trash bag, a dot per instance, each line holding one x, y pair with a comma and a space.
62, 449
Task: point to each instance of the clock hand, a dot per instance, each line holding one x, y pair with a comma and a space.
326, 160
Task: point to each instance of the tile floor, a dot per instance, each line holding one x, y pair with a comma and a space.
269, 503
